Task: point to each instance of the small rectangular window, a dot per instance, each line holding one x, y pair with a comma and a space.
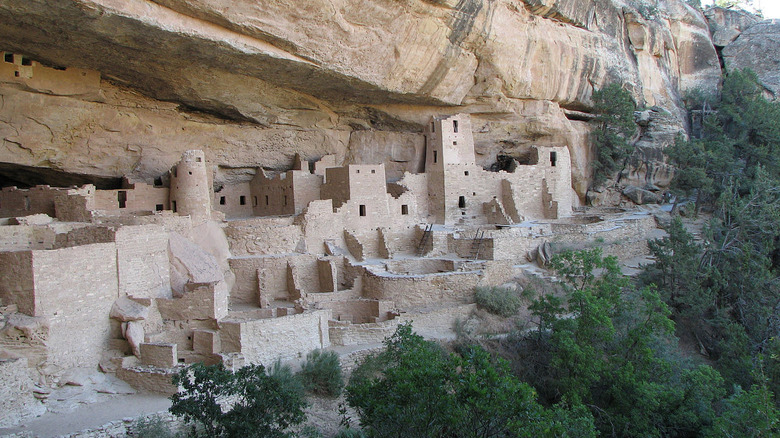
255, 201
266, 199
362, 210
461, 202
158, 181
198, 159
404, 209
373, 170
454, 143
553, 158
121, 198
455, 126
173, 206
357, 170
26, 61
221, 200
285, 199
433, 126
9, 57
466, 173
158, 207
435, 157
16, 74
242, 200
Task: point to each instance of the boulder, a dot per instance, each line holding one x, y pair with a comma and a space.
190, 264
133, 331
125, 309
641, 196
544, 254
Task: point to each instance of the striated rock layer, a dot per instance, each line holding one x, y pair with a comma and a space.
253, 82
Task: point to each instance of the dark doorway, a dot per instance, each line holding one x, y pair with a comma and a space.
121, 197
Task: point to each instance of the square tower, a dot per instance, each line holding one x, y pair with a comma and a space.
449, 161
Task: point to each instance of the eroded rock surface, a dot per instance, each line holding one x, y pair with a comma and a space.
253, 82
727, 24
758, 48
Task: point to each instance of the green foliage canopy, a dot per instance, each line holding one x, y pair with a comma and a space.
610, 347
415, 388
614, 125
247, 403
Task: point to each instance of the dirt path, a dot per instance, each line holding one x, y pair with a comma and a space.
89, 416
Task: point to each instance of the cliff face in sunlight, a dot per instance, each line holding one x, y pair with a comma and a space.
254, 82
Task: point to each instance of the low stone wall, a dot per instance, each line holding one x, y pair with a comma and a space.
346, 333
420, 266
414, 291
437, 323
128, 427
150, 379
266, 340
342, 295
359, 311
20, 237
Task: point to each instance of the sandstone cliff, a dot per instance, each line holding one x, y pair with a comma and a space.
254, 82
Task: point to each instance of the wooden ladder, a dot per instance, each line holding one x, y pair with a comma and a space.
476, 244
424, 240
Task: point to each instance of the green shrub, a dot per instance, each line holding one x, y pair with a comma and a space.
247, 403
150, 427
414, 388
321, 373
498, 300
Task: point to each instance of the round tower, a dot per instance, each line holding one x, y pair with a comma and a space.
190, 192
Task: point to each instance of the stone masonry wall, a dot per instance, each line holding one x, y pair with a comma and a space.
346, 333
142, 258
251, 236
287, 337
75, 289
229, 201
24, 202
139, 197
414, 291
16, 280
18, 237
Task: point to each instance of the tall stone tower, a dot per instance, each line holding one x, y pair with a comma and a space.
449, 161
190, 192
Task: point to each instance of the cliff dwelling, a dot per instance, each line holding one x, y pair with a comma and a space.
142, 279
248, 182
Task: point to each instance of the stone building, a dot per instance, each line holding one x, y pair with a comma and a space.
142, 279
459, 191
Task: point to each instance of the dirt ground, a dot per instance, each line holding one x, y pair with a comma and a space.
105, 409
